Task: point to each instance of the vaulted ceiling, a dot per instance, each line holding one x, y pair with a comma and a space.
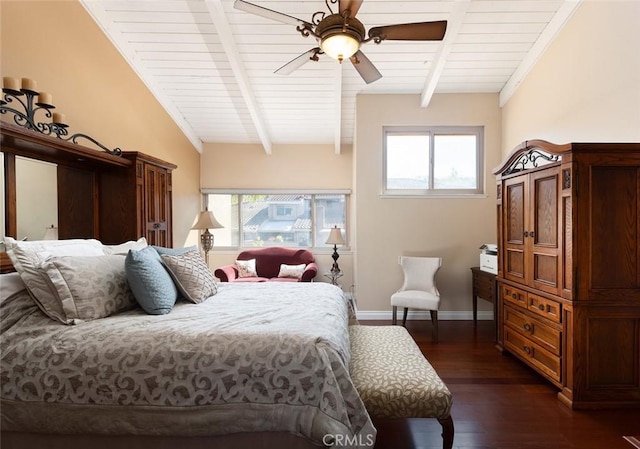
212, 66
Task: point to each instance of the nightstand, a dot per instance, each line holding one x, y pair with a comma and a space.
485, 287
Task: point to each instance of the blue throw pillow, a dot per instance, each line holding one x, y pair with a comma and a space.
174, 251
150, 282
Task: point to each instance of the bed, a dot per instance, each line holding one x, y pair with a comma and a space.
264, 364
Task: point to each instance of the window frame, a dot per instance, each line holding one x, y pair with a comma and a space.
432, 132
312, 193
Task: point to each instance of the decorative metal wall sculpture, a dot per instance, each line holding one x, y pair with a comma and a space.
24, 102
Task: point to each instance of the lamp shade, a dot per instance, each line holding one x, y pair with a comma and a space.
207, 221
50, 233
335, 237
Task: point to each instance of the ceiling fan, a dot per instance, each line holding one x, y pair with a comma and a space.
340, 34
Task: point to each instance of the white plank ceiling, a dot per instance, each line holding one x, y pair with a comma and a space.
211, 66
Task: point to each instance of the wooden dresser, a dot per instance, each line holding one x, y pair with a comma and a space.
569, 267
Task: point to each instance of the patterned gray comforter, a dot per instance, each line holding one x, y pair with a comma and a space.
254, 357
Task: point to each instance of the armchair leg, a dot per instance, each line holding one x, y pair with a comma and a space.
434, 321
394, 318
404, 317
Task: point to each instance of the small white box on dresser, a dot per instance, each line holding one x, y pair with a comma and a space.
489, 258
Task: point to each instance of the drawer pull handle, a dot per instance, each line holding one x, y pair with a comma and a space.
541, 307
156, 225
514, 296
527, 349
532, 234
527, 327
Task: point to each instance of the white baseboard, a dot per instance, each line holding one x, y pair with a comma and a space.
443, 315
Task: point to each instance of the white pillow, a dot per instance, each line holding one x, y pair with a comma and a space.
291, 271
124, 248
10, 284
27, 256
246, 268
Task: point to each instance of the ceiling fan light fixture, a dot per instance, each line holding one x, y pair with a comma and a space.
340, 45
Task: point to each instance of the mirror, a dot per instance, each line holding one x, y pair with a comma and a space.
36, 197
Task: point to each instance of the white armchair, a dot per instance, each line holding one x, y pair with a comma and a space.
419, 289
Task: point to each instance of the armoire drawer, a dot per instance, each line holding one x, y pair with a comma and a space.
541, 359
548, 308
548, 337
514, 295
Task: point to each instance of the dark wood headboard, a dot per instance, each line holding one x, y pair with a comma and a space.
78, 168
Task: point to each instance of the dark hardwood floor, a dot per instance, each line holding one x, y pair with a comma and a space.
498, 402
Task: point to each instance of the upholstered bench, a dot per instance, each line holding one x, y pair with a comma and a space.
395, 380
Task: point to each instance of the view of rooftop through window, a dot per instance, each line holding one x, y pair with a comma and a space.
289, 219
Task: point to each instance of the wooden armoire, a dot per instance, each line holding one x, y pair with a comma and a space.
569, 267
100, 195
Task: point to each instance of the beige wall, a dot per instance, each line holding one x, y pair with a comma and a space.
450, 228
586, 86
57, 44
304, 167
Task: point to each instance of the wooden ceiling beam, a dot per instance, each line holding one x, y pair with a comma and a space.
549, 33
221, 22
454, 23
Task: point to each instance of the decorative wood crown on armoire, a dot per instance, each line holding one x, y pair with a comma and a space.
569, 267
113, 198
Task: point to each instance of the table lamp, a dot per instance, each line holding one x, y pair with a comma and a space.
50, 233
335, 239
207, 221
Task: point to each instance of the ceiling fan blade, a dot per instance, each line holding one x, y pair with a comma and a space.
365, 67
294, 64
350, 5
267, 13
423, 31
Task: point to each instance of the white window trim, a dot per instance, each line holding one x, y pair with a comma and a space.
432, 131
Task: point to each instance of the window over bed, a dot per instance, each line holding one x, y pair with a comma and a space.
259, 218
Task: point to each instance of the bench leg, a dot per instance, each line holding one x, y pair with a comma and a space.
394, 318
404, 317
447, 432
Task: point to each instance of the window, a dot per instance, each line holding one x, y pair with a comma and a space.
255, 219
433, 160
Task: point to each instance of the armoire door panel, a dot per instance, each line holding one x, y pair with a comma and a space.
545, 234
151, 193
515, 212
162, 213
514, 264
545, 227
515, 219
545, 272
